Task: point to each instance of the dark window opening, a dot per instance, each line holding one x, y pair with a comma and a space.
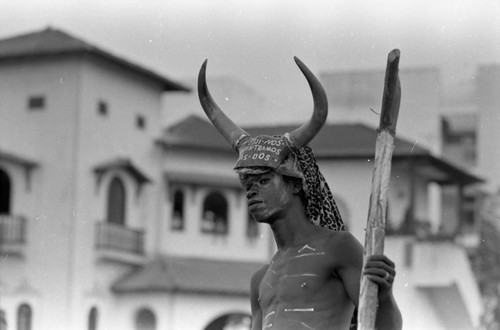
145, 320
4, 193
469, 213
116, 202
230, 321
178, 211
460, 139
102, 108
140, 122
24, 317
93, 318
36, 102
214, 214
3, 320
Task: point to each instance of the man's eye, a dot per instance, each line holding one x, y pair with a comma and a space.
264, 181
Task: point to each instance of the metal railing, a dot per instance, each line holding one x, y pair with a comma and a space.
12, 229
119, 238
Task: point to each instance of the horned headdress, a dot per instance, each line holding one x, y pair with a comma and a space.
288, 154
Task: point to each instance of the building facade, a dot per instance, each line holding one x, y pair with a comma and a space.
111, 221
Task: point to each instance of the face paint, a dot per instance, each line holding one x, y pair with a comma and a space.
309, 309
301, 275
308, 255
268, 195
306, 248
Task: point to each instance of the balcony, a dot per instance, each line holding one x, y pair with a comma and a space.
117, 243
440, 270
12, 235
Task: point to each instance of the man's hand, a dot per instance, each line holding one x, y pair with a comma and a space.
381, 270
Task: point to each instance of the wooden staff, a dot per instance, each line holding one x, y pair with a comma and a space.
375, 227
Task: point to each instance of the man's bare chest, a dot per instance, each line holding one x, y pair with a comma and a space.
298, 272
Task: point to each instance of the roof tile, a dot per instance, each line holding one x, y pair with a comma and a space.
51, 42
189, 275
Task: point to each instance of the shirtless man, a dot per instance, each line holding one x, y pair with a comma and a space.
313, 280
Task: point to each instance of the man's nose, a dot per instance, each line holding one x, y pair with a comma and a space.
251, 193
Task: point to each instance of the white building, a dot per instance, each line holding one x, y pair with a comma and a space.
110, 221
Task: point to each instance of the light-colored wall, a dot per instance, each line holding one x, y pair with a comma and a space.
356, 96
44, 136
103, 139
68, 139
489, 119
353, 190
206, 309
191, 241
428, 268
350, 182
232, 246
190, 311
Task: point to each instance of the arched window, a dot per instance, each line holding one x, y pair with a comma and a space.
214, 214
178, 211
3, 320
145, 320
231, 321
116, 202
24, 317
4, 192
93, 319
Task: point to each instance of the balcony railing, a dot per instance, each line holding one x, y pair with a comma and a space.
12, 229
119, 238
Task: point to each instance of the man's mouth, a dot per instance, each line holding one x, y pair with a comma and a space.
253, 202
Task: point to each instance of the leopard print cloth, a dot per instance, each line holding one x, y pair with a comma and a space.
321, 208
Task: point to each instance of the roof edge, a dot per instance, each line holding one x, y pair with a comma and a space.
79, 45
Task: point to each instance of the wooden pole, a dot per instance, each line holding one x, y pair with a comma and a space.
375, 227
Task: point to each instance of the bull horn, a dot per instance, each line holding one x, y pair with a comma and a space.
305, 133
226, 127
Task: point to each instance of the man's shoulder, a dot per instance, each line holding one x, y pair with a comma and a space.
337, 239
259, 274
334, 242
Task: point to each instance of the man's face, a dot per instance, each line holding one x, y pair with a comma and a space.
268, 195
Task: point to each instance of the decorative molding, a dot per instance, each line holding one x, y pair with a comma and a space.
126, 165
27, 164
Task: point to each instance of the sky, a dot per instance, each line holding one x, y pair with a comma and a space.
255, 41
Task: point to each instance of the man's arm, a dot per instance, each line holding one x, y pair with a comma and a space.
381, 270
349, 269
254, 298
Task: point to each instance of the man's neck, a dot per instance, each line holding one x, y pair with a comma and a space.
293, 230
